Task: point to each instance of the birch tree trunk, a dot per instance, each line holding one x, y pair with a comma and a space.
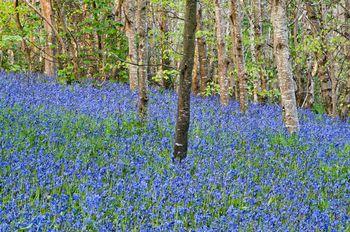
255, 45
142, 31
49, 65
195, 80
238, 52
184, 100
258, 31
164, 43
130, 13
253, 52
284, 67
222, 58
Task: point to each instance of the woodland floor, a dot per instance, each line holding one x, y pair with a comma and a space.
76, 158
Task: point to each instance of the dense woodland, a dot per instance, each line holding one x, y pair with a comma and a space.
141, 42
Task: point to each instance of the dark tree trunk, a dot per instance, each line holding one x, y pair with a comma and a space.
183, 111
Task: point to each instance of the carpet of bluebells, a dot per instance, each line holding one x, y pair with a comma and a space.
76, 158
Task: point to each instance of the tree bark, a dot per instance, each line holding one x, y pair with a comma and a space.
130, 13
222, 57
49, 65
253, 51
258, 29
195, 80
142, 31
344, 111
202, 54
238, 51
164, 43
184, 100
284, 68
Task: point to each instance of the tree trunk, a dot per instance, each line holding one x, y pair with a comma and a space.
222, 58
310, 86
258, 29
253, 51
255, 47
334, 70
164, 43
284, 68
238, 51
202, 54
142, 32
130, 13
11, 57
344, 111
184, 100
49, 65
195, 80
345, 103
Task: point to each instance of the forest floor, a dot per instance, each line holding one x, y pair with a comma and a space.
76, 158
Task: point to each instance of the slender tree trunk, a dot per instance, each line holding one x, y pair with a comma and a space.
99, 47
164, 43
345, 104
284, 67
202, 54
49, 65
310, 86
255, 46
344, 111
233, 79
183, 111
11, 57
253, 52
195, 80
334, 92
118, 9
258, 28
238, 51
222, 58
130, 13
142, 32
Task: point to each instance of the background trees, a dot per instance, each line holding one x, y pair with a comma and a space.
99, 39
